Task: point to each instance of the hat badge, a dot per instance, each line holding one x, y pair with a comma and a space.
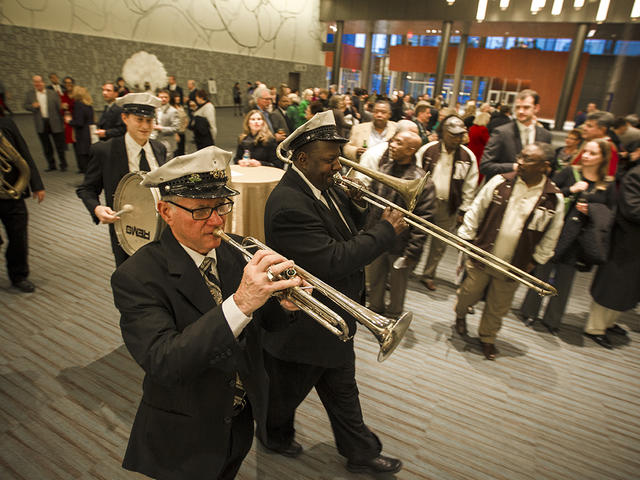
194, 178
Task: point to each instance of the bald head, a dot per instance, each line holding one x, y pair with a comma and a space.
403, 146
405, 125
38, 83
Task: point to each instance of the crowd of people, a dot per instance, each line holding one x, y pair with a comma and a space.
218, 351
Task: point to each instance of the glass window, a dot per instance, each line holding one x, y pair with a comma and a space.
360, 41
594, 46
379, 43
330, 37
474, 42
510, 43
396, 40
629, 48
495, 42
348, 38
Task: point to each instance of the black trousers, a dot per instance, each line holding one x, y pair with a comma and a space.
82, 159
239, 443
58, 139
180, 147
14, 216
290, 383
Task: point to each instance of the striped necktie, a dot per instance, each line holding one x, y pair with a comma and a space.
210, 278
207, 270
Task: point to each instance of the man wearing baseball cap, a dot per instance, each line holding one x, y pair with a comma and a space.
191, 315
312, 222
111, 160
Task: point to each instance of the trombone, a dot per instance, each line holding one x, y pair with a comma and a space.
410, 190
388, 332
409, 196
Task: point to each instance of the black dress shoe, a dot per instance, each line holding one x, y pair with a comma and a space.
25, 286
552, 330
528, 322
618, 330
379, 464
601, 340
461, 326
292, 450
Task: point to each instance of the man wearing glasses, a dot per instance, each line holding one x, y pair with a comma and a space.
191, 311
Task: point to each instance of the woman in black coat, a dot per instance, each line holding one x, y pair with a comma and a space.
80, 120
582, 186
256, 143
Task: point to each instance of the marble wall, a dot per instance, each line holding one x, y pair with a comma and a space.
228, 41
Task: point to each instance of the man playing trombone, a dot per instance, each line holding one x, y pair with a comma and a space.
317, 225
190, 317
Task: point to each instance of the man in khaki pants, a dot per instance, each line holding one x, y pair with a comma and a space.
517, 217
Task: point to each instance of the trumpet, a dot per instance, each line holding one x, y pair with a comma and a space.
484, 257
388, 332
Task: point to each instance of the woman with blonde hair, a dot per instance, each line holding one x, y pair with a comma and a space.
80, 120
256, 144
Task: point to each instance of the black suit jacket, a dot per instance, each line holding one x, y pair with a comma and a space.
111, 121
176, 333
280, 121
107, 165
13, 135
300, 227
177, 90
504, 144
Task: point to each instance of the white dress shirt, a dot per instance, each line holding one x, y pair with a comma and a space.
527, 134
43, 101
232, 314
133, 154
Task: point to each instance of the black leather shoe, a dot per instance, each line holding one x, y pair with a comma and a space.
552, 330
25, 286
601, 340
293, 450
379, 464
618, 330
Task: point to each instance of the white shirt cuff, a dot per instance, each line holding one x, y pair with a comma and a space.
234, 317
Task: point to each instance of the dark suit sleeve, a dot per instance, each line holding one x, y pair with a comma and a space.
119, 128
629, 197
492, 162
169, 356
425, 208
303, 235
90, 189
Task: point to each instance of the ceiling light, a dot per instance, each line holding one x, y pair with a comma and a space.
451, 2
591, 33
504, 4
536, 6
635, 10
333, 28
482, 10
603, 9
557, 7
577, 4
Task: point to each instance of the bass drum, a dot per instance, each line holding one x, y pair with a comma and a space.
142, 224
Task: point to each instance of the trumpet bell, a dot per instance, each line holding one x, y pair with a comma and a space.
392, 335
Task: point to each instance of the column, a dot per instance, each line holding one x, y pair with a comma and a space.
462, 53
571, 73
442, 57
365, 75
337, 54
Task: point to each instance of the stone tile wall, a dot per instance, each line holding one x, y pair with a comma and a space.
92, 60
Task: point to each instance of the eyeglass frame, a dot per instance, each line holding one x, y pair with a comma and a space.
193, 210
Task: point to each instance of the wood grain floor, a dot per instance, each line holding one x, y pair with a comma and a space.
548, 408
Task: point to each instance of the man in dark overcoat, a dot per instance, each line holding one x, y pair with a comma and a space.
191, 318
317, 225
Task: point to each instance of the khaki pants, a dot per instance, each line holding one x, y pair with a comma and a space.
443, 219
377, 274
600, 318
500, 291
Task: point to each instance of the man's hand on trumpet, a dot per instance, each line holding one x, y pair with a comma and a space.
260, 281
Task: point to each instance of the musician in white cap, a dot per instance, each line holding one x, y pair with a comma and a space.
111, 160
191, 313
317, 225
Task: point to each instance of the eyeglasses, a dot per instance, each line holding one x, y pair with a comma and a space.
205, 212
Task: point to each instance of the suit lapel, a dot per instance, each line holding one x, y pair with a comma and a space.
516, 137
184, 274
157, 152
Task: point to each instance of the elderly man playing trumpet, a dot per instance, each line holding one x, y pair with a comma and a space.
191, 312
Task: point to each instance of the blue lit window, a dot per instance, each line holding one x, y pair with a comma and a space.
379, 43
361, 39
630, 48
474, 42
429, 40
594, 46
396, 40
495, 42
329, 37
510, 43
348, 38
